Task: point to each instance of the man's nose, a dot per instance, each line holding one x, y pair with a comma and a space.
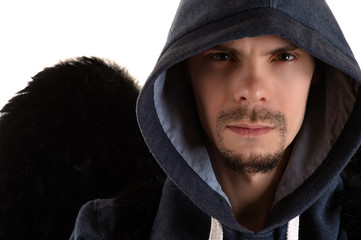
252, 83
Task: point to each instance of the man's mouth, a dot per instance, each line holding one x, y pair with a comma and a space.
245, 130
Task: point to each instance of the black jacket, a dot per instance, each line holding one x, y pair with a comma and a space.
131, 215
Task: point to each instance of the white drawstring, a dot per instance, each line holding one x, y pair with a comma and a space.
293, 229
216, 232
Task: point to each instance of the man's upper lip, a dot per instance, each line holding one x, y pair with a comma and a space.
249, 126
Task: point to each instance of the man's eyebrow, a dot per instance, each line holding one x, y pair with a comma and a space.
285, 47
225, 48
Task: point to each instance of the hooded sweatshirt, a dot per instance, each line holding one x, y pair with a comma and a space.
193, 205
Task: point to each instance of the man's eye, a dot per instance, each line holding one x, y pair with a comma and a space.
221, 56
285, 57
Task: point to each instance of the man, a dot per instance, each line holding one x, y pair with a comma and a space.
253, 112
251, 97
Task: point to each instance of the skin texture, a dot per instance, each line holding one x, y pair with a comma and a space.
251, 97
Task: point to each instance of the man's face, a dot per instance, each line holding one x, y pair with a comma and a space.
251, 98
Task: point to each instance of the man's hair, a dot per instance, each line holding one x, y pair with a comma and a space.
69, 137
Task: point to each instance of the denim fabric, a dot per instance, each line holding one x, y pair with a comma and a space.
86, 226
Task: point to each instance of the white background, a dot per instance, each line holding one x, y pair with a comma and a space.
35, 34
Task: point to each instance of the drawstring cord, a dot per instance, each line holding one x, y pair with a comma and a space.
293, 228
216, 232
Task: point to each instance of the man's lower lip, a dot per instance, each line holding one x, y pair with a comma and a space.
250, 132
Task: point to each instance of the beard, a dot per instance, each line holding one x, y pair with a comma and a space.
256, 162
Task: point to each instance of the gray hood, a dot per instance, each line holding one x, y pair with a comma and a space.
331, 131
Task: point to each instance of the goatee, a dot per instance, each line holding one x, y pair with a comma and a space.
253, 163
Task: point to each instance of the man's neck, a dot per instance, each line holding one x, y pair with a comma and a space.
251, 195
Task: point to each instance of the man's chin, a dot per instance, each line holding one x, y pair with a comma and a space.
252, 163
